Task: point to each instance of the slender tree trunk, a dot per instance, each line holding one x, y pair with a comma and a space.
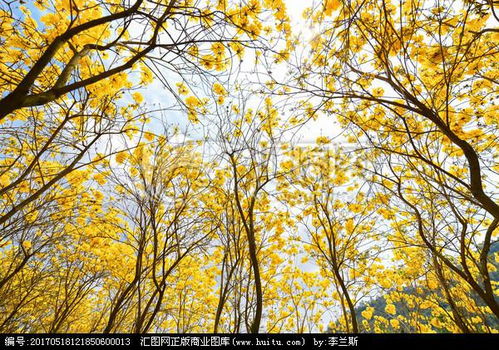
351, 307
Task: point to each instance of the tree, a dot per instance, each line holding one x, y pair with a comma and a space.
70, 69
83, 43
248, 147
338, 220
112, 220
412, 82
157, 199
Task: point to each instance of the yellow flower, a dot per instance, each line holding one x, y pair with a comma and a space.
322, 140
121, 157
237, 49
4, 180
134, 172
182, 88
146, 75
137, 97
368, 313
425, 304
207, 61
149, 136
378, 92
27, 245
219, 89
218, 49
193, 51
390, 308
192, 102
435, 322
287, 165
330, 6
101, 180
193, 116
220, 100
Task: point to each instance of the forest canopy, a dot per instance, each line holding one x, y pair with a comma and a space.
233, 166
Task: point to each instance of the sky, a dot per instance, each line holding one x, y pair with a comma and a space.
156, 95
